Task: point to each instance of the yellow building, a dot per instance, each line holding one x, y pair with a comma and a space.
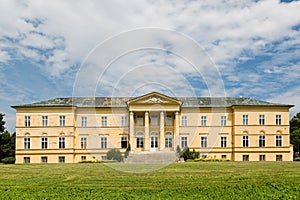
74, 129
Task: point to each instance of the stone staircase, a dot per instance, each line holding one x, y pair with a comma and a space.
160, 157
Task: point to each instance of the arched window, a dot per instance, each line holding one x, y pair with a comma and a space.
139, 140
168, 140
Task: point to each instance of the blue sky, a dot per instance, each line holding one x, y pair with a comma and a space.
52, 49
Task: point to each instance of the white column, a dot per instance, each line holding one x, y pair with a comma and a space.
162, 131
176, 130
131, 131
146, 142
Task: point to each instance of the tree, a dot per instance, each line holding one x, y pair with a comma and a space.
7, 141
114, 154
295, 133
2, 122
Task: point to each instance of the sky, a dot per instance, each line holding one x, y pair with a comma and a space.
233, 48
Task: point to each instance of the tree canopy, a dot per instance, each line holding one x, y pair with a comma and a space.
7, 141
295, 134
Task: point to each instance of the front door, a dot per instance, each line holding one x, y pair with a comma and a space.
154, 143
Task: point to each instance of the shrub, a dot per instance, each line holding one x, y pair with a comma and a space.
297, 159
127, 151
187, 154
114, 154
8, 160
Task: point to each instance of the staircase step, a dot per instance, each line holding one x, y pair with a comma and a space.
151, 157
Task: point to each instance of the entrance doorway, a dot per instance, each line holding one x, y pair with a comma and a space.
154, 141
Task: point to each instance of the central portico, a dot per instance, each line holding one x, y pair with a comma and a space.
154, 123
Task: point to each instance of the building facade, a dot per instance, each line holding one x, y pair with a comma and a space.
73, 129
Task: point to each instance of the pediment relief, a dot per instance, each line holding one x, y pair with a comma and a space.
154, 100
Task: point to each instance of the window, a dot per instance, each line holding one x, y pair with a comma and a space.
103, 142
278, 140
103, 157
83, 121
154, 120
83, 142
262, 157
124, 142
203, 142
27, 120
44, 120
245, 119
183, 120
104, 121
140, 140
261, 119
44, 159
168, 142
184, 141
83, 157
26, 160
44, 143
62, 120
140, 120
26, 143
169, 120
245, 157
124, 121
203, 120
223, 141
223, 120
245, 141
278, 119
61, 159
61, 142
278, 157
261, 141
224, 156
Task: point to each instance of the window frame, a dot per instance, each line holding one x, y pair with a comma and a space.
262, 157
27, 143
124, 121
278, 141
62, 120
262, 141
184, 141
83, 121
184, 120
45, 120
203, 141
26, 160
44, 143
261, 119
223, 120
223, 141
245, 141
61, 142
44, 159
83, 142
123, 140
203, 120
278, 120
103, 142
27, 120
61, 159
245, 119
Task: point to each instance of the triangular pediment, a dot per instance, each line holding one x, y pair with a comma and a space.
154, 98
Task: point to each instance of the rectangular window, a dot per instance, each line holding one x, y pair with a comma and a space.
245, 157
26, 143
169, 120
261, 141
278, 141
26, 160
224, 156
62, 120
83, 157
83, 142
124, 121
203, 142
44, 120
223, 141
44, 143
278, 157
154, 120
203, 120
278, 119
83, 121
140, 142
27, 120
103, 157
124, 142
61, 142
183, 120
261, 119
103, 142
245, 119
223, 121
262, 157
168, 142
44, 159
245, 141
104, 121
140, 120
184, 141
61, 159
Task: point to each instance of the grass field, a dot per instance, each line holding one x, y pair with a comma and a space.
226, 180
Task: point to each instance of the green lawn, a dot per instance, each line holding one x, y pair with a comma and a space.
209, 180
